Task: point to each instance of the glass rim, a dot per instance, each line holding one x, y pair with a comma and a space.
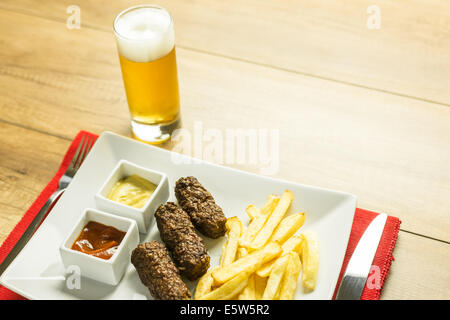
123, 12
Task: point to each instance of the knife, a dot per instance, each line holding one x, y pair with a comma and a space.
358, 268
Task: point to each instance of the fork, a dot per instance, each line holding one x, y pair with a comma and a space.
83, 149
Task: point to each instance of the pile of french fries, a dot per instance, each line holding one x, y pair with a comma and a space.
263, 261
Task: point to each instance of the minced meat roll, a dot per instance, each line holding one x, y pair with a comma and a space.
205, 214
158, 272
187, 248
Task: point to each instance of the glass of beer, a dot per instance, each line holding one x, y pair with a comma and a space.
146, 45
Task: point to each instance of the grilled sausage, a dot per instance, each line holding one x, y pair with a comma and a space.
187, 248
158, 272
205, 214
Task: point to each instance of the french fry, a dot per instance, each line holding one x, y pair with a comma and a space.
204, 284
249, 263
287, 227
229, 289
310, 260
234, 230
271, 203
260, 286
259, 219
264, 259
273, 220
277, 295
274, 281
249, 291
265, 269
224, 246
252, 211
253, 228
293, 244
290, 278
242, 252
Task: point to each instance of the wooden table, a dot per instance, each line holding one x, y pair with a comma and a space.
361, 110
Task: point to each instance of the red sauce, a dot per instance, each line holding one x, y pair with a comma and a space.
98, 240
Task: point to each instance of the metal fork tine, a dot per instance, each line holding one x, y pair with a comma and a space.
76, 155
87, 148
81, 154
91, 144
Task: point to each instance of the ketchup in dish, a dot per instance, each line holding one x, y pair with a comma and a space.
98, 240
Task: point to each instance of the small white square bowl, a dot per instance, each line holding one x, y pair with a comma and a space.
107, 271
143, 216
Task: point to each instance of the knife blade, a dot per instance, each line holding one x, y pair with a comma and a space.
358, 268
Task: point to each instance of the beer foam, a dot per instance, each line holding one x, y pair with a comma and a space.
144, 33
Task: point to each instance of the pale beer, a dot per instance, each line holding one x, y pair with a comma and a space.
146, 45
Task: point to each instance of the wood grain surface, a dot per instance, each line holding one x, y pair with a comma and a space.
358, 110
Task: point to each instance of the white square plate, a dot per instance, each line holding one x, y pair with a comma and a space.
38, 272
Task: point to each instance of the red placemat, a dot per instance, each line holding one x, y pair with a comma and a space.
372, 291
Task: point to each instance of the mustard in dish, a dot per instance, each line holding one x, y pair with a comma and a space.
133, 191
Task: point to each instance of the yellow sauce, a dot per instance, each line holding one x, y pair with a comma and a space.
133, 191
